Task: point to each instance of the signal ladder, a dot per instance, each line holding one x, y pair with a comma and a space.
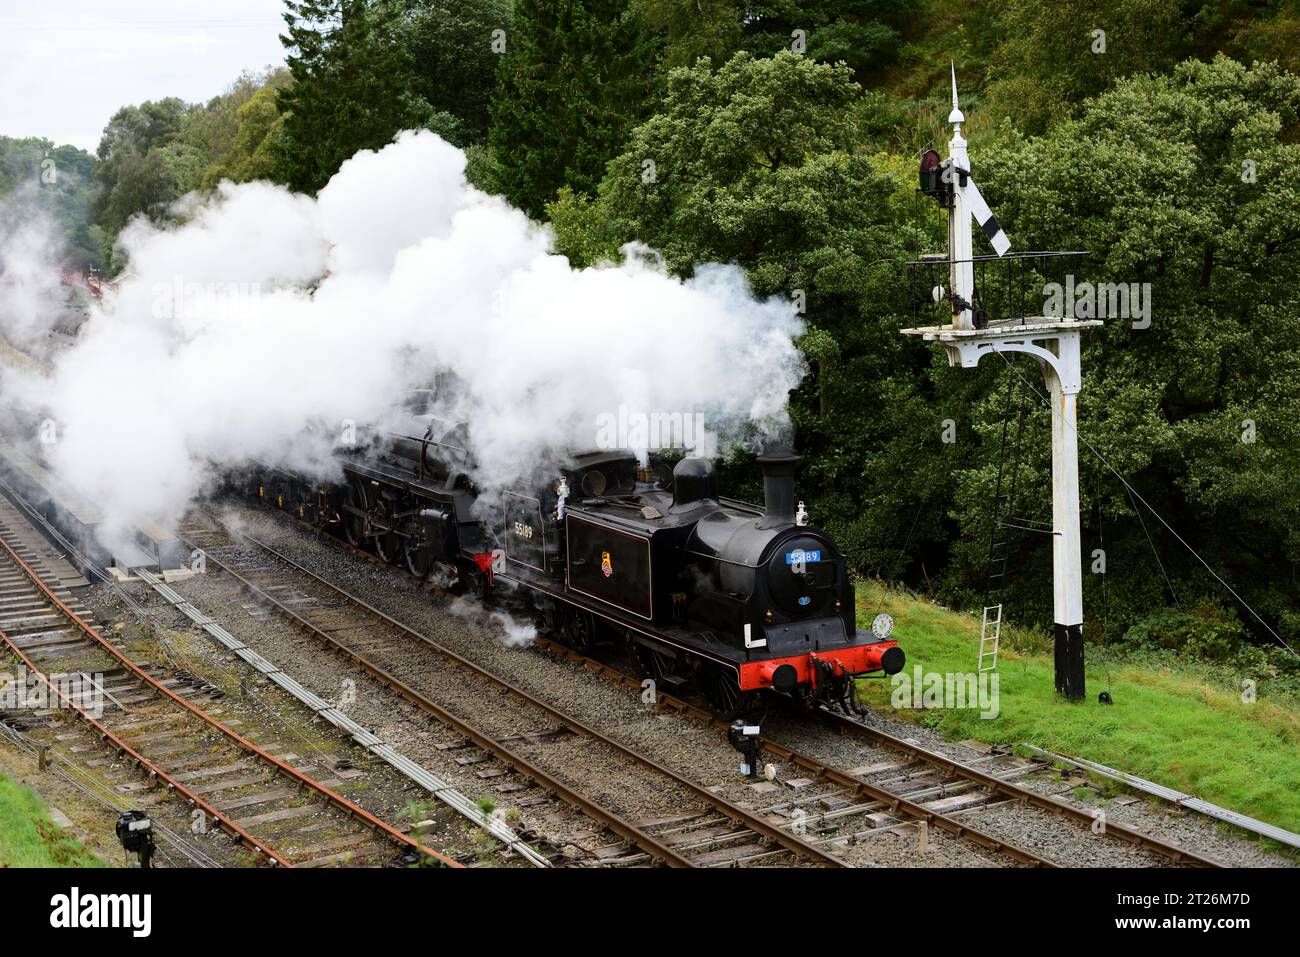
989, 640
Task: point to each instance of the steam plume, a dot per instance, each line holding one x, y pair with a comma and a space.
264, 312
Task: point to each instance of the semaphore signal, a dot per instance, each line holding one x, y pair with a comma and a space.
1054, 342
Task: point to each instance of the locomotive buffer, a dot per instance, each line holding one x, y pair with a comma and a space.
1054, 342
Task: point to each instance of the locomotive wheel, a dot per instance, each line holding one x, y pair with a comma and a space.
653, 664
354, 526
723, 691
388, 544
420, 558
579, 631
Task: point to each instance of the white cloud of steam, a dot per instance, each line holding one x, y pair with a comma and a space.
219, 346
511, 633
32, 298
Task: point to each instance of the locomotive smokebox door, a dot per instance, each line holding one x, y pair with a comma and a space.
610, 565
802, 578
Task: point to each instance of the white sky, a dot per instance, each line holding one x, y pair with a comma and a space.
67, 66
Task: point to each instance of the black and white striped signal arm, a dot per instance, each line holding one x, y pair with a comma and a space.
984, 216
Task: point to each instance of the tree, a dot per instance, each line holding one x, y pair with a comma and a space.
133, 173
134, 131
1183, 181
257, 152
576, 77
216, 140
864, 34
207, 133
153, 154
39, 178
145, 184
1046, 66
754, 162
582, 232
690, 29
1267, 37
454, 49
364, 70
348, 92
860, 33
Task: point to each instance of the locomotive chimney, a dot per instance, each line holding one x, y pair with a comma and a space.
778, 487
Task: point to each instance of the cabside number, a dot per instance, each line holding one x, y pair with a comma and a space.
523, 530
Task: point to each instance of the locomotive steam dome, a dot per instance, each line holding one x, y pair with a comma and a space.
693, 482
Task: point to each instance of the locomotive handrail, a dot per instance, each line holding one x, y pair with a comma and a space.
717, 558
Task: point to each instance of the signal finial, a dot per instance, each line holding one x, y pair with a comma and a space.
955, 117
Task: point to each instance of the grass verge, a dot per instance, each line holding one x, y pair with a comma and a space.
28, 838
1167, 725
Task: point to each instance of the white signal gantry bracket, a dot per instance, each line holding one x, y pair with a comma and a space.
1056, 344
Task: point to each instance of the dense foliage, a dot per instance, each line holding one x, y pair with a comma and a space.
578, 74
152, 154
781, 135
39, 179
364, 69
1181, 180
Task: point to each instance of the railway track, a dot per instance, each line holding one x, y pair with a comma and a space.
167, 728
704, 830
907, 790
838, 809
925, 773
1008, 790
69, 750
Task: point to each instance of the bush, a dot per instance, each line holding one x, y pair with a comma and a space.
1209, 632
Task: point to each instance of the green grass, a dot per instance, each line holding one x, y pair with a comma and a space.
1166, 725
28, 838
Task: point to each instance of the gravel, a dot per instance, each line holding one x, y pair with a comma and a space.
1079, 847
681, 743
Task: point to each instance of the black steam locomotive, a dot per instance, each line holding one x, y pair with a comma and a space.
738, 599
